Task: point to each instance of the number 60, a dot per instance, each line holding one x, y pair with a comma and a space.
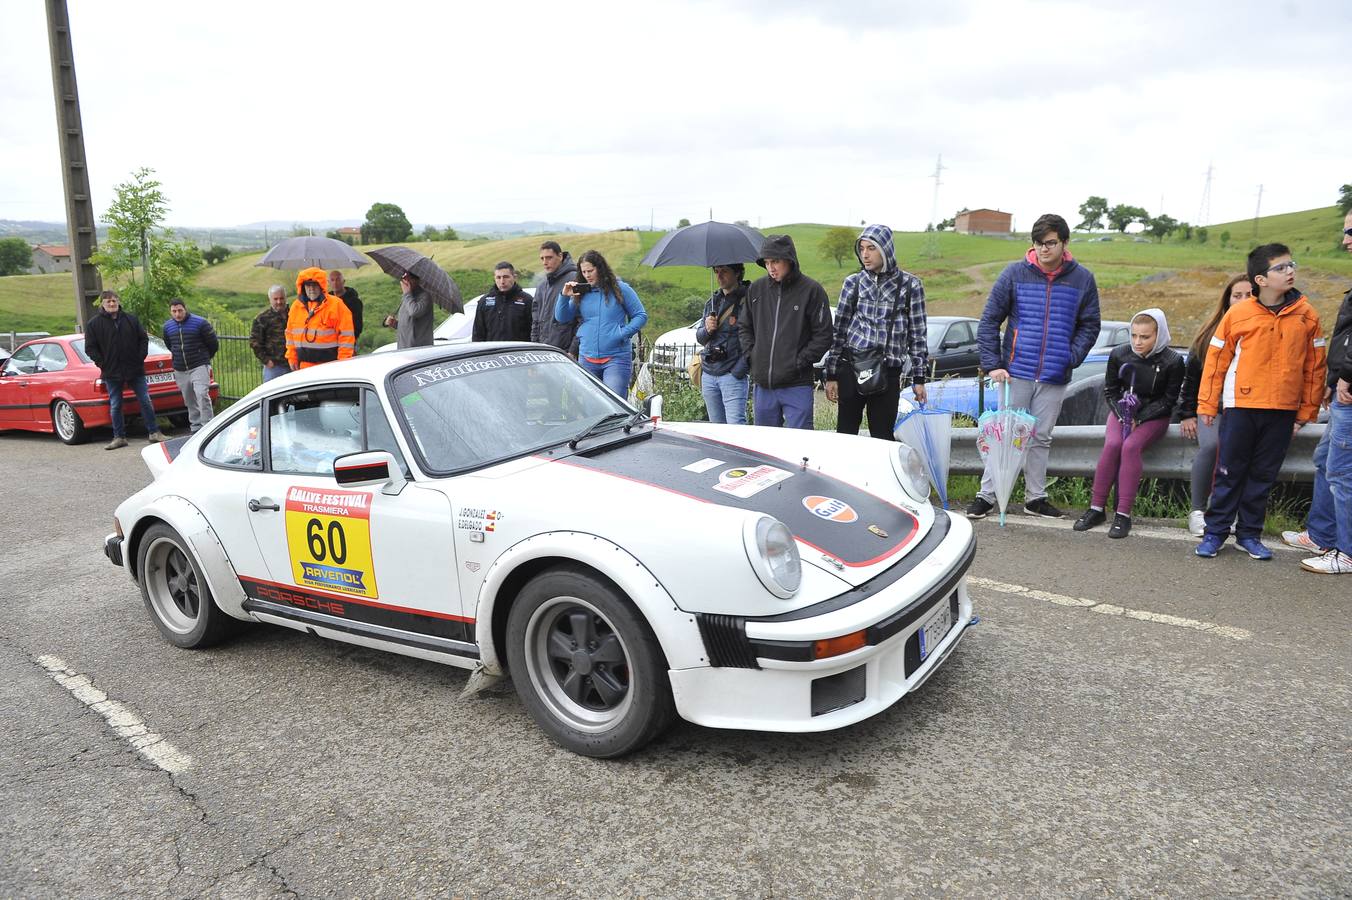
335, 546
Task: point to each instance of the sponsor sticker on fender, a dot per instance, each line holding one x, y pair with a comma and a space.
328, 537
831, 509
744, 483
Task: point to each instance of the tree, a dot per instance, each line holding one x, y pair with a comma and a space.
1225, 238
449, 234
1186, 228
386, 224
742, 222
216, 254
1092, 212
1201, 235
947, 223
838, 243
15, 256
683, 223
299, 229
1345, 199
430, 233
136, 238
1161, 225
1121, 215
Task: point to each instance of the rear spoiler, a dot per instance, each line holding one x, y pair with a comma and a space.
158, 457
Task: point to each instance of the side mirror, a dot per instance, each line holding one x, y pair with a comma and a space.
949, 345
374, 468
652, 407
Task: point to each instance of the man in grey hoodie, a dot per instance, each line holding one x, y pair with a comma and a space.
559, 270
786, 328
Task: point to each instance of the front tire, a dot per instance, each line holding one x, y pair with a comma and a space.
176, 594
66, 422
587, 666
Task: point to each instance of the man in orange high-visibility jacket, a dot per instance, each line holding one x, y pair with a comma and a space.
319, 326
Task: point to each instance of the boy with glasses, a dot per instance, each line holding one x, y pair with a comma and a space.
1051, 306
1266, 363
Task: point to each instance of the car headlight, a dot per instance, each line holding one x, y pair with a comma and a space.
773, 554
910, 469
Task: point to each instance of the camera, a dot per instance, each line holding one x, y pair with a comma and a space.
715, 353
580, 288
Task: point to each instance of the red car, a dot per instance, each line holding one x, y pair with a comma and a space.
51, 385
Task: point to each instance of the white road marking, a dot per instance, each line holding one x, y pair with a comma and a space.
122, 719
1144, 531
1108, 609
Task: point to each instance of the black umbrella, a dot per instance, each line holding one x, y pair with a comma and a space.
433, 279
706, 244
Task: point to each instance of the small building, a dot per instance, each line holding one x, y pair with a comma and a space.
48, 258
983, 221
350, 233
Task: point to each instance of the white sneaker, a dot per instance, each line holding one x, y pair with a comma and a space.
1196, 523
1301, 541
1331, 563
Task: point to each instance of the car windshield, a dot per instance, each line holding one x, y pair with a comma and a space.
468, 412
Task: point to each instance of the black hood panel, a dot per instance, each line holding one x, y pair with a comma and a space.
850, 524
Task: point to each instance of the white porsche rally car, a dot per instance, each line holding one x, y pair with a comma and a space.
494, 507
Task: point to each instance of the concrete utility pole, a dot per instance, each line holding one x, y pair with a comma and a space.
74, 171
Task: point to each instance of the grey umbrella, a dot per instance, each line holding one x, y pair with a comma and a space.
303, 252
433, 279
706, 244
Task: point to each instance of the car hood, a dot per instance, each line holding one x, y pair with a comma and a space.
838, 496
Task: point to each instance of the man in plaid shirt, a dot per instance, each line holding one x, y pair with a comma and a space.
881, 307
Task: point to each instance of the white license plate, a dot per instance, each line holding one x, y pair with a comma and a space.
934, 629
160, 378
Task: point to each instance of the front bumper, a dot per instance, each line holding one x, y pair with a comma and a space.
768, 679
112, 548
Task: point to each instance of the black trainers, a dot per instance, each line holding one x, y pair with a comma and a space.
1040, 507
1121, 526
979, 508
1092, 518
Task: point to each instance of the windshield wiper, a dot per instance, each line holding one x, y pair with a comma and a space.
596, 427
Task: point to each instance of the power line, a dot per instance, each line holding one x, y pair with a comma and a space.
932, 242
1204, 210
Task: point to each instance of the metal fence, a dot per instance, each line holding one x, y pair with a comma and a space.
1075, 451
237, 370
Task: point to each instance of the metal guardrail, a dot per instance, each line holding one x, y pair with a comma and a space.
1075, 451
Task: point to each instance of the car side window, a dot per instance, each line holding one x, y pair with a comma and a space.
379, 435
51, 358
24, 361
308, 430
960, 335
237, 444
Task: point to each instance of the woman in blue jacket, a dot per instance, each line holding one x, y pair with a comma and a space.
611, 315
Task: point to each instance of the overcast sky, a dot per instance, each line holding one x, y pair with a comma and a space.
606, 114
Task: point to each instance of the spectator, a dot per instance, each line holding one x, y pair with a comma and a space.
1050, 306
1270, 389
192, 341
881, 311
1329, 527
504, 313
319, 327
1204, 462
545, 328
610, 314
267, 337
723, 371
413, 320
786, 329
117, 344
339, 288
1152, 372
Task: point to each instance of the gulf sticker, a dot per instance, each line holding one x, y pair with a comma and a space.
744, 483
831, 509
328, 537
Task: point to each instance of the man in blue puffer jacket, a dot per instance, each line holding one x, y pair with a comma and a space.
1051, 305
193, 343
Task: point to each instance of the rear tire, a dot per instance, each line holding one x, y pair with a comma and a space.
179, 420
66, 422
175, 593
587, 666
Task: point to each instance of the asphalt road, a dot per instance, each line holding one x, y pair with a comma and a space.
1078, 743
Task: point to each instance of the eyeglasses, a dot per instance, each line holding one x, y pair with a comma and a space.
1288, 266
1047, 245
1347, 232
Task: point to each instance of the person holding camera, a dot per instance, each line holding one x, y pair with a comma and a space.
724, 379
610, 313
881, 334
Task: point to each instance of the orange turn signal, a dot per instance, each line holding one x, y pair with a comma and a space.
839, 645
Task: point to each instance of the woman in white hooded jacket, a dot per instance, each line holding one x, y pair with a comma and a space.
1141, 386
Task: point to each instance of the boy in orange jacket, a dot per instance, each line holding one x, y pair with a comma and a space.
1266, 364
